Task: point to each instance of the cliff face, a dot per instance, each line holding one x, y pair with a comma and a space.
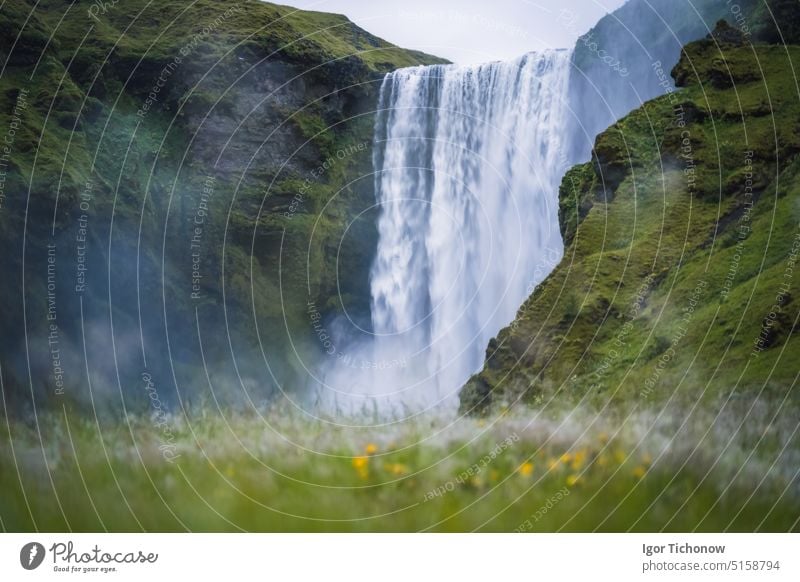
171, 168
682, 235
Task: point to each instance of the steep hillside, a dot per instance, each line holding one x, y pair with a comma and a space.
678, 280
175, 168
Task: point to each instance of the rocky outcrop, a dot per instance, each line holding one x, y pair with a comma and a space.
624, 59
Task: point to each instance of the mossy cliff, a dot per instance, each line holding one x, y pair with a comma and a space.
178, 167
613, 73
679, 279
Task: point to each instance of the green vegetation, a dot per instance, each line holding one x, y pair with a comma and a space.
149, 102
279, 472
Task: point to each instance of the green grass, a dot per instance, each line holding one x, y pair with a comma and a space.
578, 470
299, 35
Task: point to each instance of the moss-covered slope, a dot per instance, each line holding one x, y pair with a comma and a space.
136, 123
679, 278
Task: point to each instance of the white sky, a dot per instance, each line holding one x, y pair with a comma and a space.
471, 31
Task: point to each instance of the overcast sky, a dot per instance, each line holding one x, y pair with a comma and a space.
471, 31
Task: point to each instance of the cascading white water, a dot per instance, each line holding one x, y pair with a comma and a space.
468, 161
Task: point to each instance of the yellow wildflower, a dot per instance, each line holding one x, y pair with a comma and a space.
360, 462
578, 459
371, 449
396, 468
566, 458
639, 472
525, 469
572, 480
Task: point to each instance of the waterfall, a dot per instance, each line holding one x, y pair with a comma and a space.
467, 163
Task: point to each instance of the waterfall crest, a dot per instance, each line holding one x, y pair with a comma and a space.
467, 164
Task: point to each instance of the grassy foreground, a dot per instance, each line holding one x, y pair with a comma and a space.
686, 470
